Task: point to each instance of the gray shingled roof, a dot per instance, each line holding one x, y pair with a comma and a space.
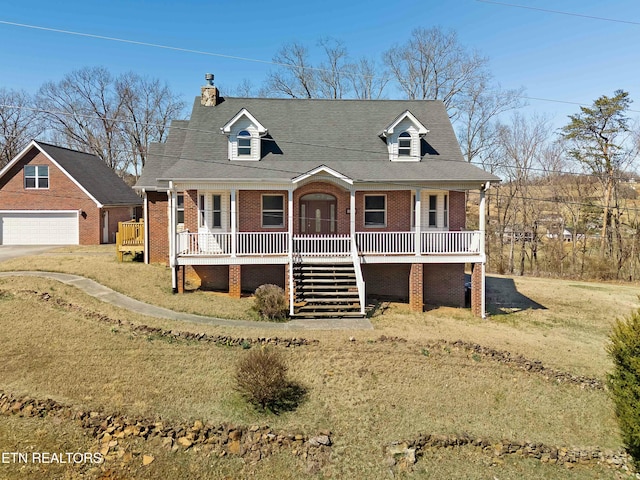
304, 134
94, 175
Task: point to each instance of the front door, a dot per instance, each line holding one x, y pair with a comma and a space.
318, 214
105, 226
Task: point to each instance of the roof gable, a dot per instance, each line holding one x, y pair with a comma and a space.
406, 115
86, 171
226, 128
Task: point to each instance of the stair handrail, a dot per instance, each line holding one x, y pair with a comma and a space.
358, 271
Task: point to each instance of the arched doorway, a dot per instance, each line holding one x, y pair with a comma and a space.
318, 214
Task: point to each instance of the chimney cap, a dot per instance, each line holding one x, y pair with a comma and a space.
209, 78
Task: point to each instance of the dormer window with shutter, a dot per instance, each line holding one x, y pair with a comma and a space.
245, 134
403, 138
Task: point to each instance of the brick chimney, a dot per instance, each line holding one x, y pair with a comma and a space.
209, 93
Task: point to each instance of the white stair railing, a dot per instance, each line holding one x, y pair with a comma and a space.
357, 267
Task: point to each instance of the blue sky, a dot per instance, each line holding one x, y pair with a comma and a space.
554, 56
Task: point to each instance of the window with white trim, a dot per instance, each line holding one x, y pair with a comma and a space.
433, 211
36, 176
244, 143
446, 211
404, 144
272, 211
375, 211
180, 208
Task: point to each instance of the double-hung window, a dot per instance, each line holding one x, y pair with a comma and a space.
212, 217
244, 144
404, 144
273, 210
433, 211
375, 211
36, 176
180, 208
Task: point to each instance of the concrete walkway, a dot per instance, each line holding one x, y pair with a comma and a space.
119, 300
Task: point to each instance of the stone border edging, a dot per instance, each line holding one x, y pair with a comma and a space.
518, 361
222, 340
253, 443
404, 454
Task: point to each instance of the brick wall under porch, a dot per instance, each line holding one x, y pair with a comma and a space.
418, 284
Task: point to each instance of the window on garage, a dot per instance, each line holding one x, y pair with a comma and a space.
36, 176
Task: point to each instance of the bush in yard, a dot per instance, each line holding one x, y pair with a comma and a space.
261, 377
270, 302
624, 382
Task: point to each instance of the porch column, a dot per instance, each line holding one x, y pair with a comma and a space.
234, 245
482, 216
417, 222
289, 267
145, 226
352, 213
478, 278
172, 207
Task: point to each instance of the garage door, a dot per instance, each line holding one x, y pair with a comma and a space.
39, 228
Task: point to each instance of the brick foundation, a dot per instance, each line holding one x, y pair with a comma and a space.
476, 290
235, 281
416, 287
387, 281
444, 284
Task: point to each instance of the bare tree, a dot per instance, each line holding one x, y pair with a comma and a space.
18, 123
85, 110
521, 145
295, 77
331, 79
147, 109
114, 118
367, 79
480, 107
433, 65
335, 76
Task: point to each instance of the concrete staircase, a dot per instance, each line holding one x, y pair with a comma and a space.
324, 290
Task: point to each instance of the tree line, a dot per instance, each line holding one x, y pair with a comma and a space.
113, 117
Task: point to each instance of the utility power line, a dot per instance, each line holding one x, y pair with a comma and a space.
592, 17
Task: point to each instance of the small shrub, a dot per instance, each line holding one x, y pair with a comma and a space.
624, 381
270, 302
261, 377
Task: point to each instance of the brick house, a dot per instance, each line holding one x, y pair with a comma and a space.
334, 200
51, 195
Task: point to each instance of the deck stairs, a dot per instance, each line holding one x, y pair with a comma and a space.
323, 290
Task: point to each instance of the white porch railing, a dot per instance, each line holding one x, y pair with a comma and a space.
262, 243
382, 243
247, 243
322, 245
368, 243
450, 242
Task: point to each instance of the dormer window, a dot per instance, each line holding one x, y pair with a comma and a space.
404, 144
244, 132
244, 144
403, 138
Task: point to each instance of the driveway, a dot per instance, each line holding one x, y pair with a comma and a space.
7, 252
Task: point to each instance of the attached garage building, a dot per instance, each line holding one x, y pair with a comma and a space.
56, 196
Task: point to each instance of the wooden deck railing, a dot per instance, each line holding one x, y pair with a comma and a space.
129, 238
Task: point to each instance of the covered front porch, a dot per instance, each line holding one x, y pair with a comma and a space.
320, 218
